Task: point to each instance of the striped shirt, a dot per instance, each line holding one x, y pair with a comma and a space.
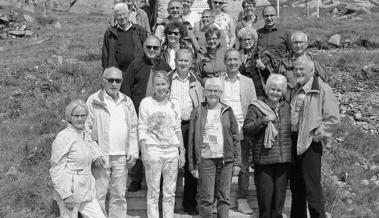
180, 92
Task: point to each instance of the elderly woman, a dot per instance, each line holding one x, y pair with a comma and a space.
214, 150
224, 21
161, 141
72, 154
268, 124
174, 40
211, 64
252, 66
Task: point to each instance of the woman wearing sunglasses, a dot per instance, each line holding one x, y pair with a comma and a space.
174, 40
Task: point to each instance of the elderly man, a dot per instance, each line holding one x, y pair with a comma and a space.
138, 85
273, 41
187, 90
314, 115
299, 45
123, 42
175, 10
137, 15
239, 92
112, 123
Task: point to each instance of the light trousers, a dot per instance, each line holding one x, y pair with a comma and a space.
162, 162
88, 209
114, 178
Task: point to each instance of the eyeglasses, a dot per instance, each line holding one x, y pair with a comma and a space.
112, 80
247, 40
173, 33
177, 8
77, 116
210, 91
149, 47
218, 3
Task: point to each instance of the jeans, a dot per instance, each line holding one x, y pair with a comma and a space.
305, 183
271, 183
89, 209
190, 182
215, 179
162, 162
115, 178
243, 176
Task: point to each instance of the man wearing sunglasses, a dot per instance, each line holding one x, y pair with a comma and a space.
112, 123
122, 42
138, 85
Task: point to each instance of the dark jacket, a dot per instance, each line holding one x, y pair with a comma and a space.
254, 128
136, 78
232, 148
108, 54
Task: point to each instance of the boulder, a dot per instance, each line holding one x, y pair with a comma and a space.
28, 18
335, 40
58, 25
17, 32
28, 33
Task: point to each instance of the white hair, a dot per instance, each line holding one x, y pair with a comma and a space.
120, 6
300, 33
278, 79
214, 82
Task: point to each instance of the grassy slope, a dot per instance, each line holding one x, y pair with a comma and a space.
34, 89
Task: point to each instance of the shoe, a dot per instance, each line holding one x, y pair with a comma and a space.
134, 187
244, 207
191, 211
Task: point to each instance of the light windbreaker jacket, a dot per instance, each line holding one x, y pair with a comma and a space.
98, 124
320, 112
72, 154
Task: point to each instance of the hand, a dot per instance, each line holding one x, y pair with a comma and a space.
69, 203
236, 170
131, 161
268, 118
99, 162
195, 173
318, 135
260, 64
182, 159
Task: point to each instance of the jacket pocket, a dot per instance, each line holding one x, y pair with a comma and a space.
81, 187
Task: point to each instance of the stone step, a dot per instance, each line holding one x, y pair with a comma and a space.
137, 200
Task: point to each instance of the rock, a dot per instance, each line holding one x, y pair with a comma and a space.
28, 18
12, 173
374, 167
23, 27
358, 116
335, 11
17, 33
373, 178
365, 182
349, 201
377, 183
335, 40
28, 33
58, 25
314, 14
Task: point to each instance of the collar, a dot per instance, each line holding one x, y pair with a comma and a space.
307, 87
134, 8
274, 28
109, 98
73, 129
238, 76
127, 28
176, 75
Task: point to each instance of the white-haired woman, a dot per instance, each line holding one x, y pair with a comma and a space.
161, 141
252, 66
72, 154
214, 149
268, 125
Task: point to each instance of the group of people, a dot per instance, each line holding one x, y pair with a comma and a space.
205, 93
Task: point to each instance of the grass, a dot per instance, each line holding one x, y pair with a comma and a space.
35, 87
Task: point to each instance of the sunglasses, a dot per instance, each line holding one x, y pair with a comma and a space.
112, 80
173, 33
218, 3
149, 47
